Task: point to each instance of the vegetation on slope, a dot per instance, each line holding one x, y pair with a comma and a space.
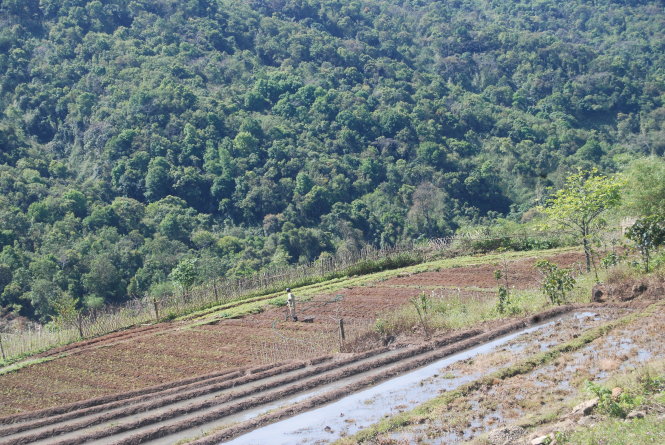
137, 136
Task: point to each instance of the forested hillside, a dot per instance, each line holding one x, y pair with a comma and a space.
139, 135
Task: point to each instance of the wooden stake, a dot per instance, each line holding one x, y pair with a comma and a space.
342, 336
2, 348
154, 302
79, 323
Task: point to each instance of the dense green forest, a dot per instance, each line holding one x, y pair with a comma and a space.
137, 135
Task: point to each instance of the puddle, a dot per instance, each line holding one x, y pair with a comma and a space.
360, 410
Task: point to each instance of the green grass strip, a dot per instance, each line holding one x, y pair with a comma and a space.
15, 367
426, 410
650, 430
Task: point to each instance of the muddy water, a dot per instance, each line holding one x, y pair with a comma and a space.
263, 409
362, 409
554, 387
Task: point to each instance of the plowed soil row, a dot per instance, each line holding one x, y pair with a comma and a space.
232, 393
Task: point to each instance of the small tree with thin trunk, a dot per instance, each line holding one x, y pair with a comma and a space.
68, 312
185, 275
578, 207
649, 234
557, 283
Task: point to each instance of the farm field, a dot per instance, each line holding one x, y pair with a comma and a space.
150, 355
174, 381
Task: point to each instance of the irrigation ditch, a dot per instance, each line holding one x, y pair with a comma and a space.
225, 405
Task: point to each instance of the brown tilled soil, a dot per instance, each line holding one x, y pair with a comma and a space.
628, 288
145, 356
521, 274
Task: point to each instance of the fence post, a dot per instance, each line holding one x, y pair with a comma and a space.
2, 348
154, 302
79, 323
342, 336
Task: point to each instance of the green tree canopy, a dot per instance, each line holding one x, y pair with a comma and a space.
145, 132
645, 187
579, 205
649, 234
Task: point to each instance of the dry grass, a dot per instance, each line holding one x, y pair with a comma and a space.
621, 273
456, 309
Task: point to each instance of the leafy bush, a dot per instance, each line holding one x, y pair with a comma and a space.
381, 326
171, 315
506, 303
618, 406
517, 243
651, 382
557, 283
609, 260
387, 263
649, 234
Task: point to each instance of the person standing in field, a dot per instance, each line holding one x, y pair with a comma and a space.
291, 304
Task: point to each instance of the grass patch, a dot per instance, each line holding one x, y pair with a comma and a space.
17, 366
245, 309
649, 430
449, 309
642, 388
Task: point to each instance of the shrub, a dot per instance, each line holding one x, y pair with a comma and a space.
616, 407
506, 303
620, 273
387, 263
381, 326
609, 260
557, 283
171, 315
649, 234
517, 243
423, 305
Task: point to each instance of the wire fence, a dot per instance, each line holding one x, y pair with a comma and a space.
221, 290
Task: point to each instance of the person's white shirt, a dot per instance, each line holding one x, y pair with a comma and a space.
291, 303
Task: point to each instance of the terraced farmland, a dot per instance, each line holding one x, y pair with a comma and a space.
225, 373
